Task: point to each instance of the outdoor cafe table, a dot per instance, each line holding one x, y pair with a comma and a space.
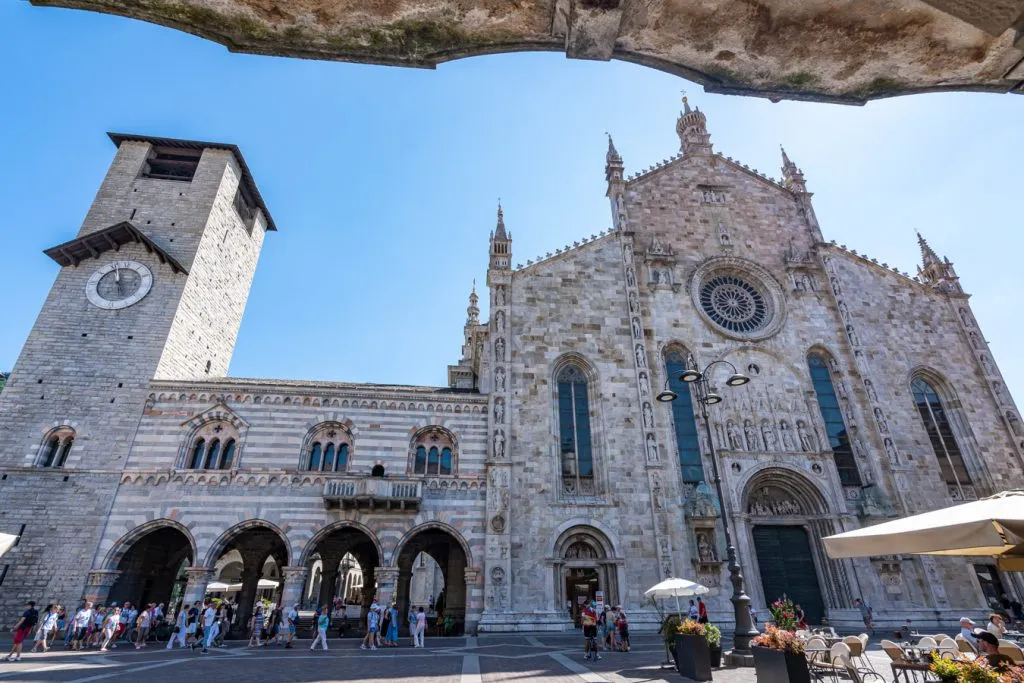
816, 653
907, 668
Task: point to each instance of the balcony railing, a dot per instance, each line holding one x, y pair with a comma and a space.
373, 493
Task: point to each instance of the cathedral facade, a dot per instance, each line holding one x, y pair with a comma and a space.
566, 461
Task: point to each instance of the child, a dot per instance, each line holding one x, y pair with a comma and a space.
623, 625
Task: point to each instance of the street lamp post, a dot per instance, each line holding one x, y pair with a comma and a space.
745, 630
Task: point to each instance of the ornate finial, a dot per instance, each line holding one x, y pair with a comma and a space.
474, 286
686, 102
499, 232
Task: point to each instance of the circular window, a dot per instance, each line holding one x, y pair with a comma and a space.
733, 303
740, 299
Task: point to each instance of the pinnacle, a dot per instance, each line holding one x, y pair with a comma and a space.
928, 255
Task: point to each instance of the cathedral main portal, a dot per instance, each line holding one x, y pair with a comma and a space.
787, 567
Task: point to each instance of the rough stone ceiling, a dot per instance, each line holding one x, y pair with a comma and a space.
846, 51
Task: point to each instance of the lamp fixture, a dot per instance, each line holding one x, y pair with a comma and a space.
666, 396
690, 376
737, 380
712, 398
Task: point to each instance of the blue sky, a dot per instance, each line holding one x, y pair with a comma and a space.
384, 181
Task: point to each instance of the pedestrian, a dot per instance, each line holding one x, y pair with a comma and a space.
256, 627
122, 627
62, 623
192, 630
385, 626
22, 629
142, 624
412, 625
702, 611
132, 624
753, 615
323, 622
274, 627
694, 612
110, 625
223, 625
209, 625
96, 627
370, 640
588, 616
392, 639
866, 614
47, 623
69, 631
421, 626
293, 625
180, 632
81, 624
623, 625
611, 629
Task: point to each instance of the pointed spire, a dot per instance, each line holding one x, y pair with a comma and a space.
928, 255
691, 127
473, 310
792, 177
785, 159
612, 158
499, 232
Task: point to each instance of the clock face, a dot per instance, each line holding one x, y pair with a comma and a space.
119, 284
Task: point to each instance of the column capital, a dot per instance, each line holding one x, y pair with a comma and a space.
199, 574
385, 574
295, 573
103, 577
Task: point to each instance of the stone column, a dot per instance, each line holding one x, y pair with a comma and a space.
294, 583
329, 584
386, 578
474, 599
403, 595
98, 585
195, 588
251, 573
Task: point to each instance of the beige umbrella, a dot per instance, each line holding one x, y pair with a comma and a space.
990, 527
7, 541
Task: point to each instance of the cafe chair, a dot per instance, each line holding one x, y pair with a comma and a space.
894, 651
965, 646
947, 648
927, 643
1011, 650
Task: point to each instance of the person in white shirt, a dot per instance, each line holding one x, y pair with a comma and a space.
293, 623
996, 626
421, 626
81, 621
110, 625
210, 628
143, 623
967, 631
181, 629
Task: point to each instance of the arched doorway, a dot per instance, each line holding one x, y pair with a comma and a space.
152, 566
343, 558
250, 556
585, 571
423, 549
787, 517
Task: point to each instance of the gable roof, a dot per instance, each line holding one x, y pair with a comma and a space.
95, 243
250, 184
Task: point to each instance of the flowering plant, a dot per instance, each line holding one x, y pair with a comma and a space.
978, 670
783, 613
778, 639
690, 628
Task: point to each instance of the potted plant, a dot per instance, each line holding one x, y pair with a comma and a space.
713, 635
779, 657
783, 613
668, 627
693, 654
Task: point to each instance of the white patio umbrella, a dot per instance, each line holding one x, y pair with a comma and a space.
990, 527
266, 583
675, 588
6, 541
216, 587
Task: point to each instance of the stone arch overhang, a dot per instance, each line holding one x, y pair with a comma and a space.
124, 544
812, 500
431, 526
595, 530
311, 545
220, 545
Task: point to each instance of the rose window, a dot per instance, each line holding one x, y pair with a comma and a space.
734, 304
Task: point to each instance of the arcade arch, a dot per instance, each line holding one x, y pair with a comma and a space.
450, 553
152, 562
341, 559
585, 568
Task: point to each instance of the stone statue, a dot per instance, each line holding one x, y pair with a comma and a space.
499, 379
648, 416
638, 331
499, 296
844, 311
735, 440
634, 303
645, 388
627, 252
751, 435
890, 450
652, 449
769, 436
807, 441
499, 443
836, 289
854, 339
499, 320
656, 247
986, 365
975, 341
499, 348
656, 496
798, 282
965, 317
630, 277
655, 276
705, 551
499, 411
883, 426
773, 502
787, 437
841, 388
833, 365
641, 357
720, 434
870, 389
1014, 423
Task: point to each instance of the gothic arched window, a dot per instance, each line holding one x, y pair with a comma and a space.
835, 426
214, 447
574, 429
57, 448
940, 433
328, 449
690, 462
432, 452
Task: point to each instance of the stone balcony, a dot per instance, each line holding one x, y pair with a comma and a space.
373, 493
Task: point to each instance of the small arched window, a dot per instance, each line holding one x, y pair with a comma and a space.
940, 433
433, 452
214, 447
56, 448
574, 429
328, 449
835, 425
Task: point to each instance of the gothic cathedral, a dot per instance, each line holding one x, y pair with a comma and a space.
568, 460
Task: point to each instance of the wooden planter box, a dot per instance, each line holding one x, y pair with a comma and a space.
693, 658
778, 666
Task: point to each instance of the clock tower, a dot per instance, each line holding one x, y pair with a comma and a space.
153, 286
